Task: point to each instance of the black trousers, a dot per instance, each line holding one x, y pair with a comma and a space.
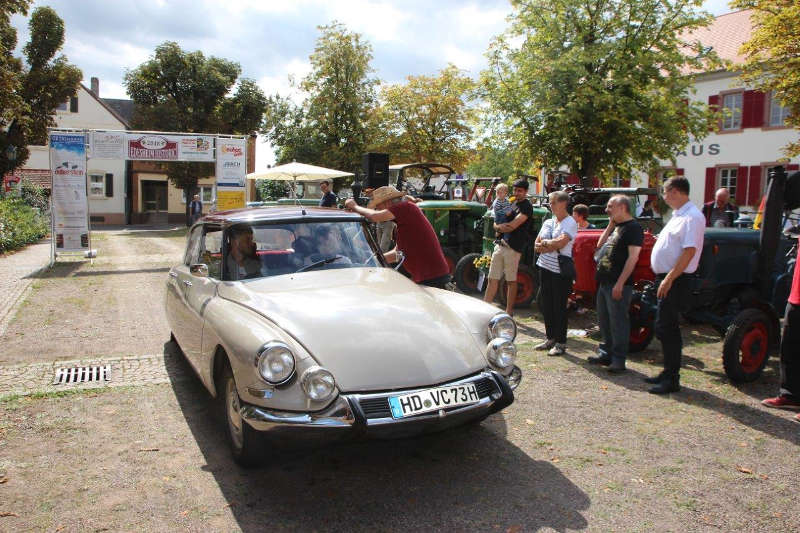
790, 353
667, 328
439, 283
552, 300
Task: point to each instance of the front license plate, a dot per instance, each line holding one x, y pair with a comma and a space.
432, 400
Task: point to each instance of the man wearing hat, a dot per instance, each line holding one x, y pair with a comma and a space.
415, 235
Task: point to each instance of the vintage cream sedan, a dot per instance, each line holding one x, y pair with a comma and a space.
290, 316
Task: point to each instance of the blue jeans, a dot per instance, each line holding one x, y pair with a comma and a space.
615, 324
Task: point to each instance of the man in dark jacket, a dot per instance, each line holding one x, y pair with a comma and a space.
720, 213
328, 198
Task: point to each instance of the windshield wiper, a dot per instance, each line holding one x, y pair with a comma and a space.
319, 263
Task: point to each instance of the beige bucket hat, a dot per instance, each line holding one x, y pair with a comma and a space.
382, 194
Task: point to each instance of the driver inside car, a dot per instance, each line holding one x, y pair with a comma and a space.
242, 261
328, 247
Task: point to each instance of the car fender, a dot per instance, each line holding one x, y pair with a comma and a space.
241, 332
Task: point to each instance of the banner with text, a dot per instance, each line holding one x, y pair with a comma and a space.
69, 201
151, 146
231, 162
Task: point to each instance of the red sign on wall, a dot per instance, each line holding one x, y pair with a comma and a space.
152, 148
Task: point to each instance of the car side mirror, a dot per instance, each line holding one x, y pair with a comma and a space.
200, 270
400, 258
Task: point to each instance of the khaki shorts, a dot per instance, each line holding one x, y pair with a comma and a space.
504, 261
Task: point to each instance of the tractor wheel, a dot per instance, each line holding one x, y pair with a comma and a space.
746, 346
526, 287
466, 275
642, 329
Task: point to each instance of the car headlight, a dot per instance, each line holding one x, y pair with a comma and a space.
501, 353
502, 326
318, 383
275, 363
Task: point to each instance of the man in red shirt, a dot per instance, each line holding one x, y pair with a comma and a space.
789, 396
415, 236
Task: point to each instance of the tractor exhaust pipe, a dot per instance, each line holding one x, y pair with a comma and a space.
771, 227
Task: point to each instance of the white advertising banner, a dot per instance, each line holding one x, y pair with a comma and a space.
231, 162
107, 145
157, 147
69, 200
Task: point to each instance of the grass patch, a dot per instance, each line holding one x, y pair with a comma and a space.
16, 398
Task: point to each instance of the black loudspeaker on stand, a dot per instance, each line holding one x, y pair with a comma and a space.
376, 170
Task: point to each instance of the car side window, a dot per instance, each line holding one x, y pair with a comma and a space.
193, 246
212, 251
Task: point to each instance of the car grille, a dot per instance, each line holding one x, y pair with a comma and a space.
378, 407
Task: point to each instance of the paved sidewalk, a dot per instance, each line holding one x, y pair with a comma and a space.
16, 274
125, 371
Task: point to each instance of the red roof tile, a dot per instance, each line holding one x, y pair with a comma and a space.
726, 34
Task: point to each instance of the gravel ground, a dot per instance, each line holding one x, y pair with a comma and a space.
580, 449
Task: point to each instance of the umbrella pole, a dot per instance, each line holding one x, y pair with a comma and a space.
294, 190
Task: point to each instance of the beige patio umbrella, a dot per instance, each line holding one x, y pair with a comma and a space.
295, 171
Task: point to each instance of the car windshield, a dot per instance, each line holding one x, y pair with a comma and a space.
264, 250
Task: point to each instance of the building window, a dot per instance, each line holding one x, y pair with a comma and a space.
727, 180
777, 113
206, 193
97, 185
732, 106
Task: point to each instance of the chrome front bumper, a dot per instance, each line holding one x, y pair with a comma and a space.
361, 415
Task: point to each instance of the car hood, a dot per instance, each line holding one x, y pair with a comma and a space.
373, 328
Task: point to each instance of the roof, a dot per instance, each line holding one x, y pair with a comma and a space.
276, 213
725, 35
123, 107
434, 168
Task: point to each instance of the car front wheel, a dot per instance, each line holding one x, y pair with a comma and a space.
246, 443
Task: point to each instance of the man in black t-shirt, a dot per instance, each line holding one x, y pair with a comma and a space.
506, 255
617, 254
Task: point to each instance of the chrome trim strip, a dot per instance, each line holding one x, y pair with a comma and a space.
338, 415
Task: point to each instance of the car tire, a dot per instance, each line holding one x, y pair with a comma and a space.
466, 275
745, 349
526, 287
247, 446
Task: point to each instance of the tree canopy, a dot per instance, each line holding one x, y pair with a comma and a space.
331, 127
429, 118
184, 91
773, 55
32, 87
600, 86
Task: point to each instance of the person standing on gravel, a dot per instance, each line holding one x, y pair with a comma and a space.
618, 252
789, 396
675, 255
554, 240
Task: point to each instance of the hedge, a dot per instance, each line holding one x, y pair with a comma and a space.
20, 224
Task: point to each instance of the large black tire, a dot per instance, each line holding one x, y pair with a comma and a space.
247, 446
745, 349
527, 285
466, 275
642, 326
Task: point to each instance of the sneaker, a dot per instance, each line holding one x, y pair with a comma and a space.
546, 345
781, 402
558, 349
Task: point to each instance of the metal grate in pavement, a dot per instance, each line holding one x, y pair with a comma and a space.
82, 374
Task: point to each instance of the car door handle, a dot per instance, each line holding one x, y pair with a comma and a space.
173, 274
187, 283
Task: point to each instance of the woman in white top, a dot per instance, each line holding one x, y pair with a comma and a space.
554, 239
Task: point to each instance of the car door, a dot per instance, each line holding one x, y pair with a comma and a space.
176, 307
198, 290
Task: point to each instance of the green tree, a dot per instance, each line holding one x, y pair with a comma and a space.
332, 126
430, 118
773, 55
184, 91
600, 86
33, 86
492, 159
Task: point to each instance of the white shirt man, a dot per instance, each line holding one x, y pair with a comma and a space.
676, 253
